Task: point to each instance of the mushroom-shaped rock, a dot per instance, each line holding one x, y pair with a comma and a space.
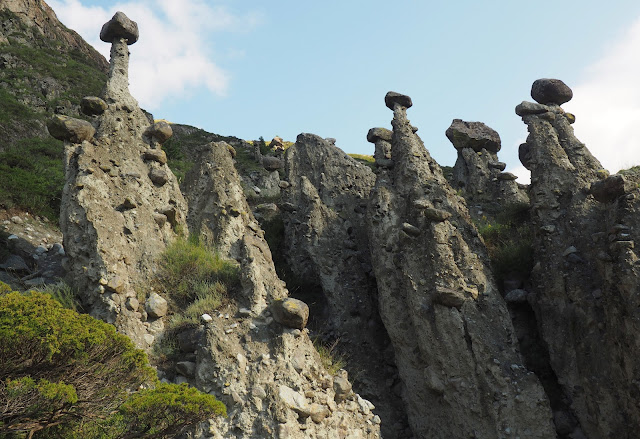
92, 105
271, 163
376, 134
392, 99
120, 26
160, 131
526, 108
70, 129
474, 135
289, 312
551, 91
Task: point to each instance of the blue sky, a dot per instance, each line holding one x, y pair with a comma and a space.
253, 68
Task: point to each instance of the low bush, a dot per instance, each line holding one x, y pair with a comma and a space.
331, 359
67, 375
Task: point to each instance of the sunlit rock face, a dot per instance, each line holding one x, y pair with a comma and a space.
121, 204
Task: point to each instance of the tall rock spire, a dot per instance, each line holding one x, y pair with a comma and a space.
450, 329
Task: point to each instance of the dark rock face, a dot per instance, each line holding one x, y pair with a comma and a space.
551, 92
450, 329
325, 203
585, 276
474, 135
120, 26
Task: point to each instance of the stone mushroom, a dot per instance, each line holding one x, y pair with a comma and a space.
120, 26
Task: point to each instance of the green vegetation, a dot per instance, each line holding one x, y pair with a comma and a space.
509, 241
64, 294
331, 359
32, 176
365, 160
67, 375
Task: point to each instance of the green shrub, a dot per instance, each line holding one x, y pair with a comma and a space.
509, 241
64, 294
32, 176
365, 160
190, 271
331, 359
65, 375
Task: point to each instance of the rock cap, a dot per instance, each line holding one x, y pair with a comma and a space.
551, 91
392, 98
120, 26
376, 134
475, 135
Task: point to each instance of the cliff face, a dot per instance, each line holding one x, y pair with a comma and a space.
585, 276
44, 67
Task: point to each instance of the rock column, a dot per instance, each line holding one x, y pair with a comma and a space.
449, 327
586, 273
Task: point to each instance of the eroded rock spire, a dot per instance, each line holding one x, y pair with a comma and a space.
450, 329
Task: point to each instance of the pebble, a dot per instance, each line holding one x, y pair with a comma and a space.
206, 318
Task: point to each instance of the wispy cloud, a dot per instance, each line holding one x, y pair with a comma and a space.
607, 103
174, 55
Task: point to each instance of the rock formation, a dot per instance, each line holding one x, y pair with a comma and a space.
585, 278
477, 172
451, 332
121, 203
327, 249
255, 354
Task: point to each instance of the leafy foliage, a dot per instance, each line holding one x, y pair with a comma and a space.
67, 375
32, 176
509, 241
47, 351
191, 271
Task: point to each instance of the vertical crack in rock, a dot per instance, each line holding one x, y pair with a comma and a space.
586, 272
116, 217
267, 373
451, 332
327, 247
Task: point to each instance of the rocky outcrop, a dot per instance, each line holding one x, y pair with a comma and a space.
256, 354
325, 201
121, 206
451, 332
585, 278
477, 172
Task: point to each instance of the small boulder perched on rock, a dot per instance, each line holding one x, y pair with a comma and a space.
376, 134
160, 131
289, 312
156, 155
156, 306
475, 135
120, 26
271, 163
93, 106
551, 92
70, 129
392, 99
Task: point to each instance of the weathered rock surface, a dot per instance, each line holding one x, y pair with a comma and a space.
110, 208
269, 376
70, 129
478, 172
327, 249
585, 276
451, 332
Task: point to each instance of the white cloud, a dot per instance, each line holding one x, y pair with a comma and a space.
607, 103
173, 55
